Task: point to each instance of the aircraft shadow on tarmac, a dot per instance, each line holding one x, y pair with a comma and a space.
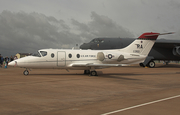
100, 74
117, 77
56, 74
106, 75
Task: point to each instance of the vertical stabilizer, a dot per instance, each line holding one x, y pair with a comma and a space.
143, 44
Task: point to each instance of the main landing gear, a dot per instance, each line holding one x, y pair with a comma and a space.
92, 73
86, 72
151, 64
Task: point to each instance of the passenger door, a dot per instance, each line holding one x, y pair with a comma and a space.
61, 58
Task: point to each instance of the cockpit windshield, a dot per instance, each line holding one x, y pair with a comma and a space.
37, 54
97, 40
43, 53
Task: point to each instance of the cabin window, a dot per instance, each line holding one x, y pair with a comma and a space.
70, 55
78, 56
52, 55
43, 53
37, 54
102, 41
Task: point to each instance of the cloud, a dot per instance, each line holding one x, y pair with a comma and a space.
26, 32
105, 26
23, 32
174, 4
101, 26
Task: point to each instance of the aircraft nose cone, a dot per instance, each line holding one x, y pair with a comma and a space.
13, 63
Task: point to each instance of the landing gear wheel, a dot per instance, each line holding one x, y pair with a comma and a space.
93, 73
151, 64
86, 72
26, 72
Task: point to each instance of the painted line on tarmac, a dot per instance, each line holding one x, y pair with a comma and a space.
120, 110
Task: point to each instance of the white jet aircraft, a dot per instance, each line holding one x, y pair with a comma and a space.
89, 60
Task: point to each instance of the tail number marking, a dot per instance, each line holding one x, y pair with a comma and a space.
136, 51
139, 46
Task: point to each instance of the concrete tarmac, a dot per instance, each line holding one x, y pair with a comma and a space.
58, 92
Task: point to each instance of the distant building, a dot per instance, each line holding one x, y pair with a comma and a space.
20, 55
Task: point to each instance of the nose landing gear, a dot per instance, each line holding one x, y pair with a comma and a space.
26, 72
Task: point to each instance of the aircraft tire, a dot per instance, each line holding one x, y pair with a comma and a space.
151, 64
26, 72
93, 73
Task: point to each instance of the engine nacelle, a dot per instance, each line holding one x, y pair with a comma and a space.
109, 56
176, 51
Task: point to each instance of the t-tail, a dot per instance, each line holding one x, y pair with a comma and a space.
143, 44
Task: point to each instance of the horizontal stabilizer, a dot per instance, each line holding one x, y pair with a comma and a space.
152, 36
160, 34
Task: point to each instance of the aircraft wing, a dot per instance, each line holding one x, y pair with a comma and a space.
98, 65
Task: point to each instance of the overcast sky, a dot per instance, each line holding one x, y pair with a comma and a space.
30, 25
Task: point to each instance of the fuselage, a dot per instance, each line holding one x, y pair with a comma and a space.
63, 59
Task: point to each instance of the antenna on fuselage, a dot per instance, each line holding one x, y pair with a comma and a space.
77, 46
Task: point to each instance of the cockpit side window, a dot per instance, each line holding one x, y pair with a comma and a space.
36, 54
43, 53
97, 40
102, 41
92, 41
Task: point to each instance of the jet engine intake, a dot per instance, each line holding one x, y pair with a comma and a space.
176, 51
120, 58
109, 56
100, 56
